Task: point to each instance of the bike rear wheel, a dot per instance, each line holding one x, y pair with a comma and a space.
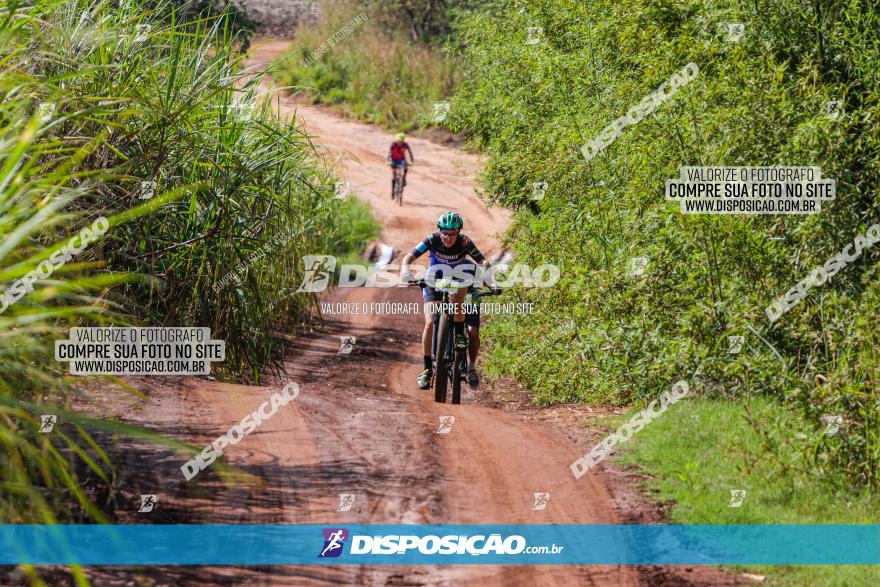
441, 373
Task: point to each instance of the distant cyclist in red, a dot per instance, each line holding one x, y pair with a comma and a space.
397, 153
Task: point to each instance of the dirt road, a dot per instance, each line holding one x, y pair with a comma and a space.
361, 426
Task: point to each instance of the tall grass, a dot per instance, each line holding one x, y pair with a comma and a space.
97, 98
185, 113
698, 451
377, 74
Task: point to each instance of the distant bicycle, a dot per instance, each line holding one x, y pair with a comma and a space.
449, 362
397, 184
397, 155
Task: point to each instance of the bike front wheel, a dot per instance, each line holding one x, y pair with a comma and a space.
397, 185
441, 373
457, 375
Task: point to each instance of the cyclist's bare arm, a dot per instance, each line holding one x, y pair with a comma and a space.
405, 275
420, 249
405, 263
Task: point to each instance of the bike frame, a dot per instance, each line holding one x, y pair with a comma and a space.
452, 361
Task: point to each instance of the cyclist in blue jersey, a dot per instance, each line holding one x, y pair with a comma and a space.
447, 248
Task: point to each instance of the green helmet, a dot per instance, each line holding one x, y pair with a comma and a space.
400, 136
450, 221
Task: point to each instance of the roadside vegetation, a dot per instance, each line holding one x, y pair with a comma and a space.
701, 450
799, 88
124, 111
389, 71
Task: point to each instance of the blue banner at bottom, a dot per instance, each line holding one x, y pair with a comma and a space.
440, 544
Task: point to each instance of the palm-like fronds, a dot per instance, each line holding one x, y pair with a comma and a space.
98, 98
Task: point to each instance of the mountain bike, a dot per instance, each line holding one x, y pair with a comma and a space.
449, 363
397, 184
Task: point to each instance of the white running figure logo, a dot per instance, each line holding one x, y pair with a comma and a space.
345, 502
335, 542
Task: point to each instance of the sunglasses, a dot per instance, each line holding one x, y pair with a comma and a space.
448, 233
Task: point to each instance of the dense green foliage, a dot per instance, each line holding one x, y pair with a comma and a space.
759, 101
426, 21
236, 20
99, 98
376, 73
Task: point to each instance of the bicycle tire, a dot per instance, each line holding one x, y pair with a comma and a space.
397, 186
456, 376
441, 373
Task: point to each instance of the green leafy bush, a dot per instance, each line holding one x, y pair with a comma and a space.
761, 101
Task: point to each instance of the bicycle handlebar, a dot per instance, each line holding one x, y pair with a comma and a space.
477, 293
